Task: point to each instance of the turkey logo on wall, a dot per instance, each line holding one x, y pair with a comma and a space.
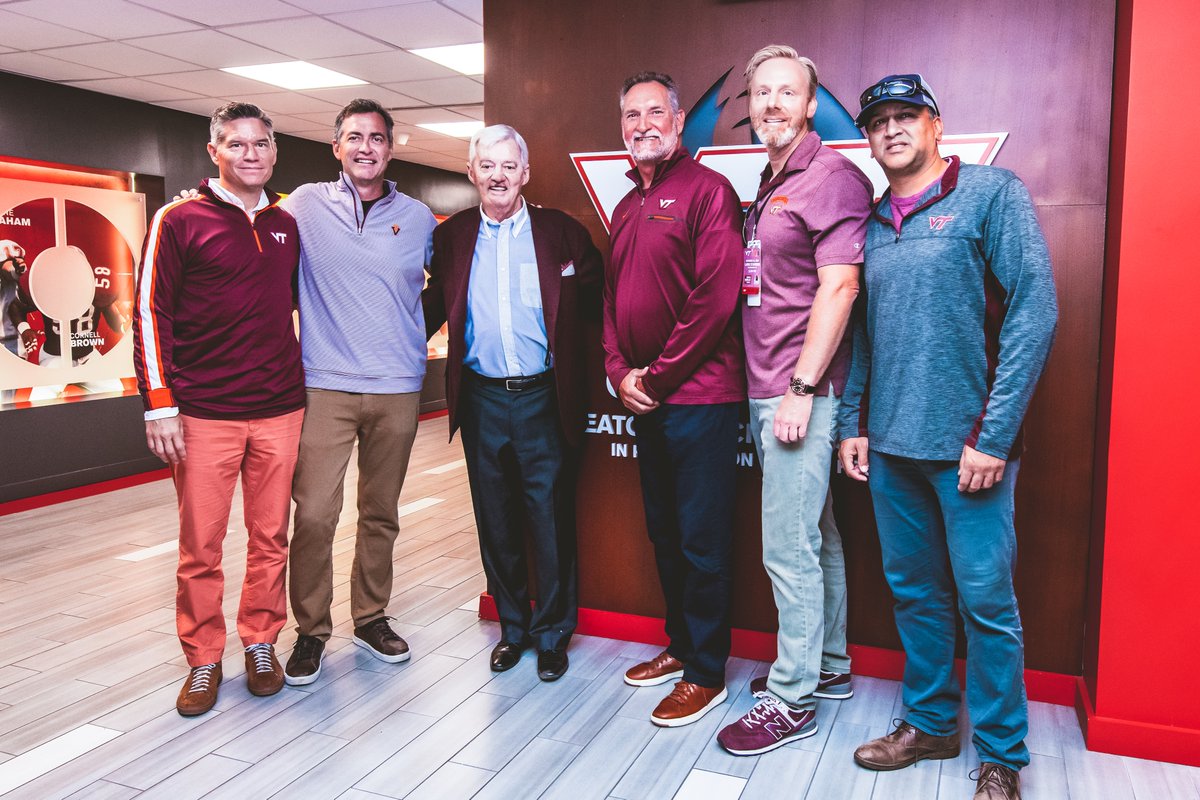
604, 178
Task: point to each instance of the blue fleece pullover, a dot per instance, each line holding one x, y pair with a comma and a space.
361, 324
959, 317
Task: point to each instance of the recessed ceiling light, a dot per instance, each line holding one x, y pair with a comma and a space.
295, 75
464, 58
463, 130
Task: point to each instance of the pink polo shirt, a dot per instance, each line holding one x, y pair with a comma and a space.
814, 213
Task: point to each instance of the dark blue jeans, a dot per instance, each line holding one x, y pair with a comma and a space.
687, 458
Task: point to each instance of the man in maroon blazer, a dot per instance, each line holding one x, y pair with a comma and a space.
513, 281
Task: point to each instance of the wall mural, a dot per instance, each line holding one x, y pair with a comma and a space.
604, 173
69, 246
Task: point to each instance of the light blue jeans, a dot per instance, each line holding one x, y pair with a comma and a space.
937, 541
802, 551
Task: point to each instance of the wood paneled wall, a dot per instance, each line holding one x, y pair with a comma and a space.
1041, 71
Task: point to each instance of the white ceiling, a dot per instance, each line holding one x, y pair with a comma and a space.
168, 53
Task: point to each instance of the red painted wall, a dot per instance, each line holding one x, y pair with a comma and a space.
1141, 661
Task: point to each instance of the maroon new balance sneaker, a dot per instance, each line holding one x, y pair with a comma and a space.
770, 724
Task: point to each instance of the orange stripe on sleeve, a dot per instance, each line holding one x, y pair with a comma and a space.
156, 371
160, 398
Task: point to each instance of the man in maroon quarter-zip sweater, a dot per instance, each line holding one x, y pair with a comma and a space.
218, 367
673, 348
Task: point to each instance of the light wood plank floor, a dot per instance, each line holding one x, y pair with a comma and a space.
89, 669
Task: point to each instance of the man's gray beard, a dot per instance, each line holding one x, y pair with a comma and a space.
659, 153
777, 140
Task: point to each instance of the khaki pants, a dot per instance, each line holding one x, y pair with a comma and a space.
384, 426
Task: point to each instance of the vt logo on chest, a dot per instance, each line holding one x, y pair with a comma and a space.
280, 237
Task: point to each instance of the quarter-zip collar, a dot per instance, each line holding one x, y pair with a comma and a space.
212, 190
344, 184
935, 192
660, 170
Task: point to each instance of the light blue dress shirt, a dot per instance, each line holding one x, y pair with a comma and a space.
505, 333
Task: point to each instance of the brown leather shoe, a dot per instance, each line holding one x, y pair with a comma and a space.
660, 669
378, 639
199, 692
997, 782
687, 703
903, 747
264, 676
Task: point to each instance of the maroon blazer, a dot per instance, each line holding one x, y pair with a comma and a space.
559, 242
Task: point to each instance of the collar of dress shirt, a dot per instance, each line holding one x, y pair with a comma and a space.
233, 199
518, 220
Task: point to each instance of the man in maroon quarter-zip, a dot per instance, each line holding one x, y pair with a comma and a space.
673, 350
218, 367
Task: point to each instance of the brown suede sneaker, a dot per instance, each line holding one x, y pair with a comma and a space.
903, 747
997, 782
687, 703
264, 676
660, 669
199, 692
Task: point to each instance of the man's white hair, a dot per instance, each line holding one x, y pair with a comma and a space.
493, 135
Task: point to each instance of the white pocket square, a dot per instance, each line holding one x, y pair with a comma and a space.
568, 269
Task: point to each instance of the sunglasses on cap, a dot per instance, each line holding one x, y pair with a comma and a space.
897, 87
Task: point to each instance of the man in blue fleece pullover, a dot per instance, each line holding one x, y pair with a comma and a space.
959, 318
363, 251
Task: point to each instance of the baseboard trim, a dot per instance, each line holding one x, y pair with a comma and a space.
872, 662
1136, 739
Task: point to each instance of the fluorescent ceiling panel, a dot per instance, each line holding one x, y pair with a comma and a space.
464, 58
463, 130
295, 75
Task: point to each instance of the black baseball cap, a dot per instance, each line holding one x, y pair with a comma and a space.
908, 88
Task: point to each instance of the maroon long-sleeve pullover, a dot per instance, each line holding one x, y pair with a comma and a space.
213, 331
672, 286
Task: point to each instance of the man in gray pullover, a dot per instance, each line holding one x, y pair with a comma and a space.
959, 318
363, 251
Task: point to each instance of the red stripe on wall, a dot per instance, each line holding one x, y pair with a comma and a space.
50, 498
871, 662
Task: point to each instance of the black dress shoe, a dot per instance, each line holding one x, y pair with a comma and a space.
505, 656
552, 664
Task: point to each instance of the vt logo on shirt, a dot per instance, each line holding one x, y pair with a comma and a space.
665, 203
280, 237
938, 223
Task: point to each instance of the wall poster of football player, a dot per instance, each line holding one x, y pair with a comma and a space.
69, 245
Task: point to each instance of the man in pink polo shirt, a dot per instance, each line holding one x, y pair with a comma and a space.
804, 250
